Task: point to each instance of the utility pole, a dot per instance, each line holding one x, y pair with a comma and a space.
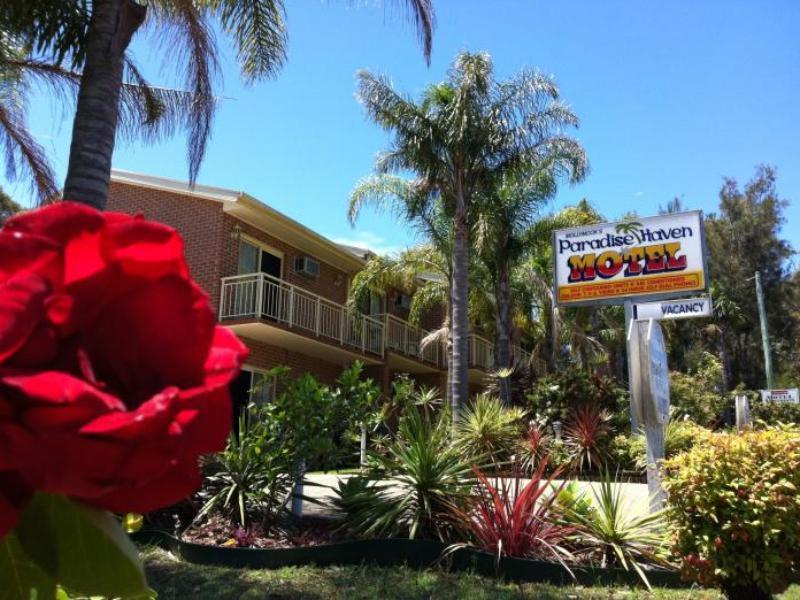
762, 315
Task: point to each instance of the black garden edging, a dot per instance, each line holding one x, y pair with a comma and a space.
394, 552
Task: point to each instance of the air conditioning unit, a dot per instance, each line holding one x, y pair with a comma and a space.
306, 266
402, 301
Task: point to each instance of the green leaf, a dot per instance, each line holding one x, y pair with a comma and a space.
83, 549
21, 578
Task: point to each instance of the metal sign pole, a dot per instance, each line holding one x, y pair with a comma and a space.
634, 379
653, 422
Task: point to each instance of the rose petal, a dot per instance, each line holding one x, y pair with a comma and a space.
21, 311
151, 417
146, 249
23, 252
205, 418
178, 481
156, 337
225, 357
52, 400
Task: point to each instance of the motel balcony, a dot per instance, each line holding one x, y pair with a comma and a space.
264, 308
405, 348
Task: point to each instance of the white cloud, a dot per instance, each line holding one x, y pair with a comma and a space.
639, 194
369, 241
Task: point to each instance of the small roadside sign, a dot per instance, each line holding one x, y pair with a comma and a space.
674, 309
791, 396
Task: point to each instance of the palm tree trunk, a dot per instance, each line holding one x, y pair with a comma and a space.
555, 335
459, 373
94, 130
502, 352
723, 358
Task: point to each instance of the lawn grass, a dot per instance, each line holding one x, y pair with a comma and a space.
174, 580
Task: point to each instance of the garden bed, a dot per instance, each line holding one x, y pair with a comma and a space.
395, 552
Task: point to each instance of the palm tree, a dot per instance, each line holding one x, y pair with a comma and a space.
93, 36
511, 219
459, 138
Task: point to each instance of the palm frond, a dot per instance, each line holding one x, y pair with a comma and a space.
24, 157
185, 29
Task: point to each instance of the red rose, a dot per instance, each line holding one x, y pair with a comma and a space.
113, 373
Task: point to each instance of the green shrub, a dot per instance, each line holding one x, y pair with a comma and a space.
570, 500
488, 430
735, 510
773, 413
697, 394
555, 396
629, 451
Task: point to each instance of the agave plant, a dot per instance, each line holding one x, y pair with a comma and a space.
585, 434
417, 483
620, 536
488, 429
508, 518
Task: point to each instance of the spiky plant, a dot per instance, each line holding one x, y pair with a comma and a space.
617, 533
415, 486
586, 435
488, 429
515, 517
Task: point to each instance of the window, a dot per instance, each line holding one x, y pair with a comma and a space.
249, 258
253, 258
262, 388
251, 387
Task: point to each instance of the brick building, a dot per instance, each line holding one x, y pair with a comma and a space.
283, 289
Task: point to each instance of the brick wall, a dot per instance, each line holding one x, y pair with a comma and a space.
265, 356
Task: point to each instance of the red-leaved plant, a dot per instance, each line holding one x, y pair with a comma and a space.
585, 434
509, 518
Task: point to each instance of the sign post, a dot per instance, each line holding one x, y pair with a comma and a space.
742, 411
656, 261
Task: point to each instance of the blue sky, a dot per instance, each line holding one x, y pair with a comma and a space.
672, 97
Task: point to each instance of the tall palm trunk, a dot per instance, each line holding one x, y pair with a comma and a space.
555, 336
724, 360
111, 28
502, 351
459, 374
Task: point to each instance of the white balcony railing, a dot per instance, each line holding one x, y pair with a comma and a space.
261, 296
520, 355
404, 338
480, 352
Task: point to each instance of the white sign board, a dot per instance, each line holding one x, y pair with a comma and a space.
654, 257
674, 309
791, 395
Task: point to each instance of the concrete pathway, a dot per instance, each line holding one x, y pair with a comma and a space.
319, 488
